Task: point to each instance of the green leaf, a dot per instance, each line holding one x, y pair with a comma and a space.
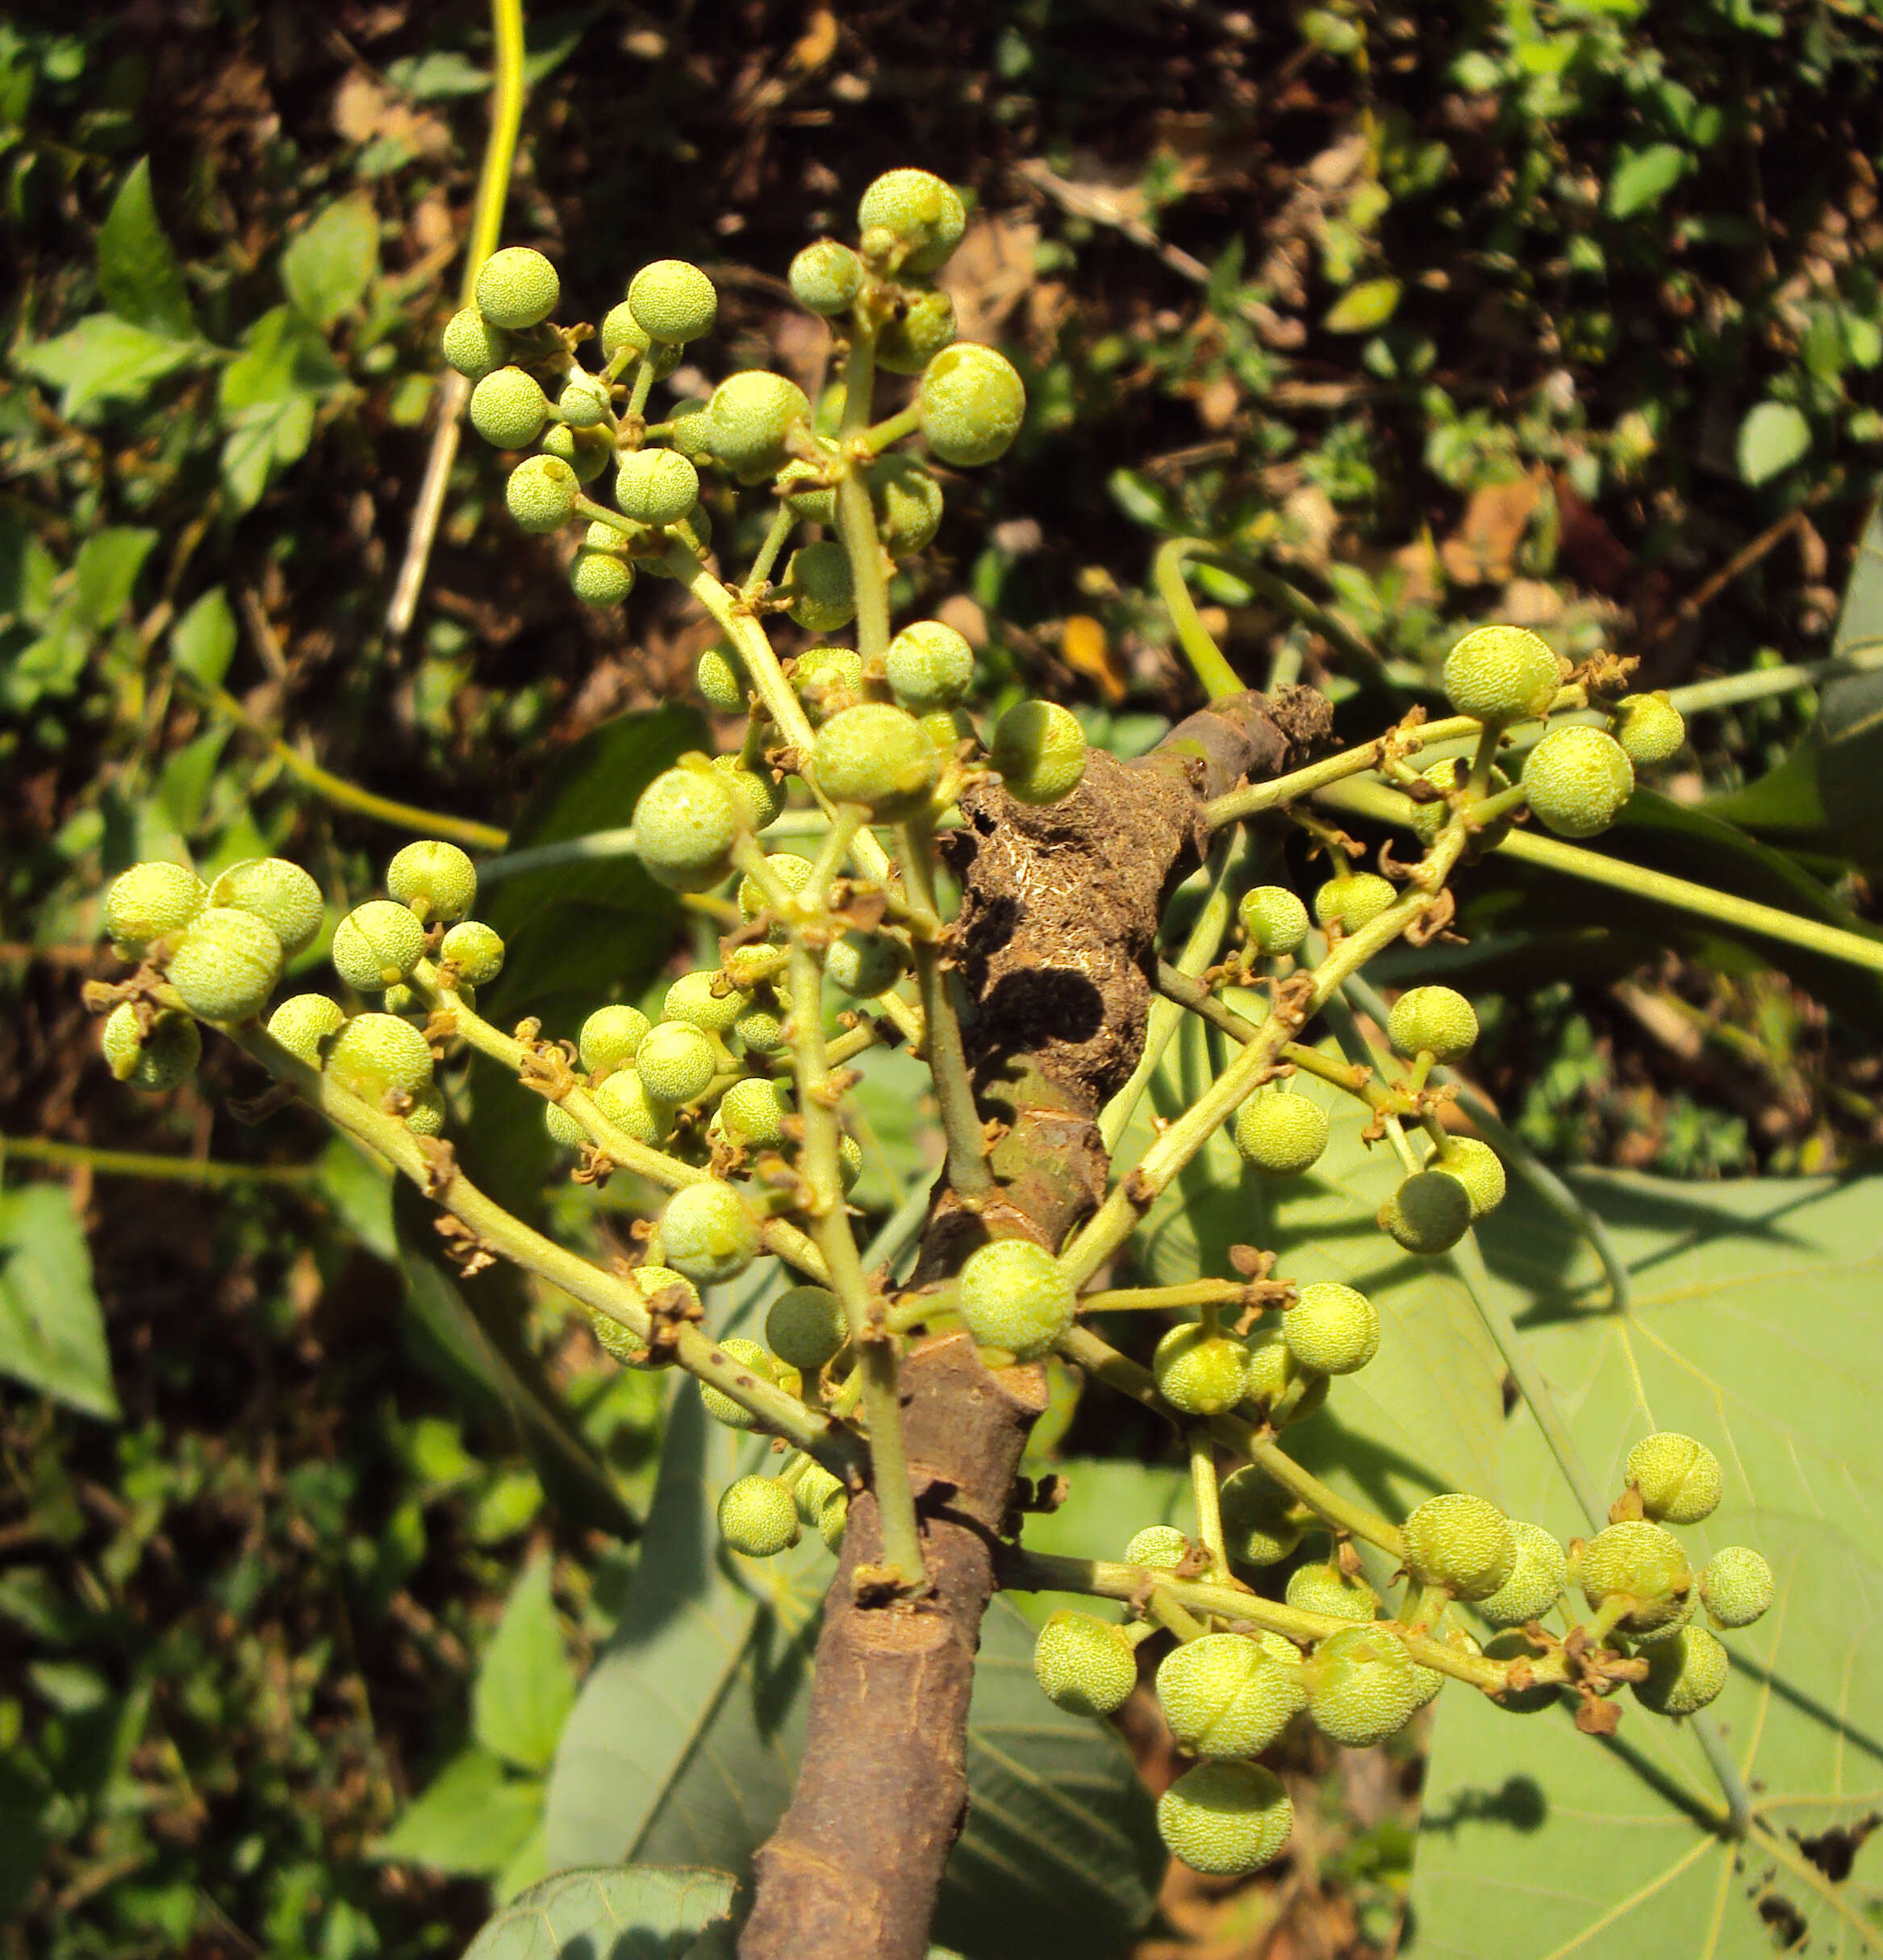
272, 434
184, 786
437, 76
1751, 1328
1363, 307
1643, 178
472, 1818
105, 359
104, 574
618, 1912
326, 268
1772, 437
359, 1187
525, 1686
139, 272
203, 642
52, 1328
283, 359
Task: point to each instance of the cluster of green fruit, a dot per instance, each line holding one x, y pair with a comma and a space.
1227, 1694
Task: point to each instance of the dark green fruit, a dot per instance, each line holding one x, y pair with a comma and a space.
1429, 1213
1257, 1526
806, 1327
1685, 1673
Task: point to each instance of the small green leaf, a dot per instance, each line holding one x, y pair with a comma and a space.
1363, 307
437, 76
184, 786
326, 269
262, 437
203, 642
105, 573
618, 1912
1772, 437
525, 1687
105, 359
139, 272
283, 359
472, 1818
52, 1328
1643, 178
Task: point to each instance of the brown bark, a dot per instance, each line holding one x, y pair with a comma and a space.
1056, 941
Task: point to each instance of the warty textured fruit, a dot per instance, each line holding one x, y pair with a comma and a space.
150, 902
377, 943
1461, 1542
908, 503
818, 583
865, 964
1200, 1372
1226, 1818
787, 869
930, 665
1477, 1167
517, 288
1736, 1586
1084, 1664
721, 678
752, 1113
751, 1357
1363, 1686
376, 1053
226, 964
1324, 1588
1354, 900
685, 826
1275, 919
1281, 1132
1160, 1546
673, 300
675, 1061
806, 1327
433, 878
825, 276
877, 755
1650, 729
623, 1098
708, 1232
1577, 779
278, 892
1258, 1528
1224, 1695
752, 413
1434, 1020
922, 214
916, 334
762, 794
540, 494
759, 1516
1428, 1214
1040, 750
656, 486
972, 402
475, 950
609, 1037
1641, 1563
303, 1021
1500, 673
508, 408
827, 680
472, 345
1685, 1673
600, 578
704, 1000
154, 1061
1014, 1295
1536, 1580
1332, 1328
1680, 1479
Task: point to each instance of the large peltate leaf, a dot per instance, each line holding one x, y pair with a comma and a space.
622, 1913
1752, 1326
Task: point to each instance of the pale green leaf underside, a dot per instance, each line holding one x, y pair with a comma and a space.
632, 1912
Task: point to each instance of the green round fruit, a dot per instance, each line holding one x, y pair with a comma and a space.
757, 789
1224, 1695
673, 300
1040, 750
1437, 1021
516, 288
153, 1061
1685, 1673
508, 408
623, 1098
806, 1327
1680, 1479
150, 902
472, 345
708, 1232
277, 892
1226, 1818
1161, 1547
675, 1062
377, 943
1429, 1213
703, 1000
1461, 1542
815, 1488
808, 492
849, 1160
922, 214
761, 1030
759, 1516
865, 964
831, 1520
1281, 1132
787, 869
930, 665
1737, 1586
752, 414
540, 494
426, 1117
1332, 1328
1354, 901
1084, 1664
825, 276
1500, 673
972, 403
588, 452
1577, 779
375, 1054
226, 964
1326, 1589
1279, 1384
564, 1130
1536, 1580
721, 678
907, 502
583, 403
752, 1113
877, 755
919, 330
1640, 1563
1650, 729
609, 1037
948, 728
656, 486
600, 578
685, 826
1275, 919
1014, 1295
827, 680
303, 1022
1363, 1686
475, 950
1257, 1526
719, 1405
817, 581
1200, 1372
1477, 1167
435, 880
1428, 819
621, 330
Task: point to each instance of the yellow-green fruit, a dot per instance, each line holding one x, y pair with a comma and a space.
1200, 1372
1536, 1580
1461, 1542
377, 943
475, 950
948, 728
1429, 1213
540, 493
751, 415
1275, 919
1650, 729
908, 503
1577, 779
472, 345
704, 1000
623, 1098
1438, 1021
600, 578
1477, 1167
1354, 901
762, 1031
226, 964
759, 790
673, 300
685, 826
708, 1232
827, 680
303, 1022
620, 330
609, 1037
1040, 750
1680, 1479
1640, 1563
752, 966
752, 1113
1326, 1589
620, 1342
675, 1061
1281, 1132
787, 869
150, 902
1279, 1383
154, 1061
865, 964
426, 1117
972, 403
433, 878
517, 288
583, 401
1224, 1695
1500, 673
1258, 1528
1331, 1328
752, 1359
807, 492
721, 678
849, 1160
508, 409
656, 486
1363, 1686
831, 1520
1428, 819
651, 1282
818, 584
825, 276
1226, 1818
806, 1327
930, 665
877, 755
588, 452
921, 212
1084, 1664
376, 1053
563, 1129
916, 334
1162, 1547
814, 1489
759, 1516
278, 892
1685, 1673
1737, 1586
1014, 1295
